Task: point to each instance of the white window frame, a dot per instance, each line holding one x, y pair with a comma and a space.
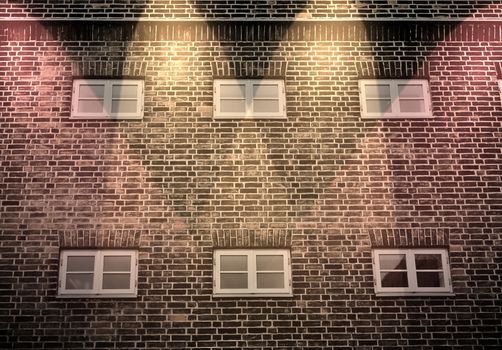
97, 291
252, 289
395, 112
249, 114
411, 272
106, 112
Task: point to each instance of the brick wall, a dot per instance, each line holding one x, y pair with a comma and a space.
323, 182
279, 9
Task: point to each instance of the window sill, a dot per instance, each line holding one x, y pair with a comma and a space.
95, 296
415, 294
393, 117
250, 118
255, 295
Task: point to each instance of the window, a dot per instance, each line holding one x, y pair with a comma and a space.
252, 272
394, 98
98, 273
249, 99
107, 99
411, 271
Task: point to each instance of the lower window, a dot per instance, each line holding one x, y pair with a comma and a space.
252, 272
98, 273
411, 271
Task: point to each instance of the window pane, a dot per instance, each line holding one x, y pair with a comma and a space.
409, 106
116, 281
233, 263
378, 106
80, 263
428, 262
269, 263
121, 106
233, 106
265, 90
233, 90
411, 90
377, 91
266, 106
90, 106
124, 91
79, 280
234, 280
430, 279
91, 91
117, 263
394, 279
270, 280
392, 261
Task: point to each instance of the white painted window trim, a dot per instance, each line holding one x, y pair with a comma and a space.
252, 289
411, 271
248, 114
107, 99
395, 112
97, 291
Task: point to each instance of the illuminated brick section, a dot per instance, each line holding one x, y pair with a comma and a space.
211, 9
324, 183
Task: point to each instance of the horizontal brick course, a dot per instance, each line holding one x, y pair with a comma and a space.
249, 9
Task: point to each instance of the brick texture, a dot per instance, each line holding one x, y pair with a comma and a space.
280, 9
322, 182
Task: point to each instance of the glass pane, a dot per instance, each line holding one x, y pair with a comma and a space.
428, 262
117, 263
233, 90
410, 106
392, 261
116, 281
378, 106
411, 90
394, 279
233, 106
266, 106
234, 280
121, 106
265, 91
124, 91
79, 280
269, 263
377, 91
233, 263
90, 106
80, 263
430, 279
270, 280
92, 91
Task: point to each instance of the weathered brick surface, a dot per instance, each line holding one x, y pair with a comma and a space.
211, 9
178, 183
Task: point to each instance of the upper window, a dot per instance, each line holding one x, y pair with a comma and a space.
107, 99
98, 273
252, 272
249, 98
394, 98
411, 271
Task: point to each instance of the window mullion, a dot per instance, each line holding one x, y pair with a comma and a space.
107, 103
394, 96
252, 277
98, 272
412, 271
249, 98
